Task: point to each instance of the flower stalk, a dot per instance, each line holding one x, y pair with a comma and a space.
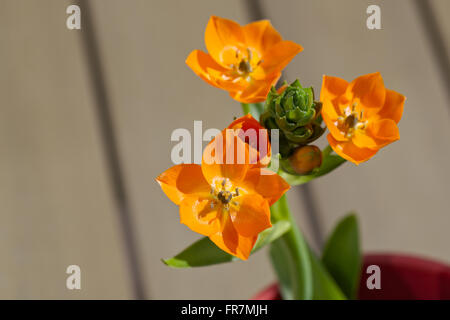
291, 250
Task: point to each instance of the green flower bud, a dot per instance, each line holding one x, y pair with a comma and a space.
295, 113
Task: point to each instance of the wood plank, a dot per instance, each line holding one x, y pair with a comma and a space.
55, 200
401, 195
143, 47
440, 9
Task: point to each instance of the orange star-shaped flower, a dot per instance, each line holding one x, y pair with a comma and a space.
228, 202
245, 60
361, 116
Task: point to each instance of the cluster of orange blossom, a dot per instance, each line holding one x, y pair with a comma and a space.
229, 202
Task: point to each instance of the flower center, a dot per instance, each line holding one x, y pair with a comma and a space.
245, 63
351, 121
244, 67
223, 194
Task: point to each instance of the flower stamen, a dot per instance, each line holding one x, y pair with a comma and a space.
222, 194
245, 67
242, 69
349, 123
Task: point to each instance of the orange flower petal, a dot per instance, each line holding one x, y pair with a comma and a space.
230, 241
261, 144
276, 58
204, 66
363, 140
330, 116
198, 215
226, 84
393, 106
261, 35
265, 183
369, 90
253, 215
181, 180
378, 134
332, 88
350, 151
226, 156
257, 90
221, 33
245, 122
384, 131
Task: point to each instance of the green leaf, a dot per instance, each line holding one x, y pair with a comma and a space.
293, 267
201, 253
342, 255
286, 269
325, 287
204, 252
329, 163
269, 235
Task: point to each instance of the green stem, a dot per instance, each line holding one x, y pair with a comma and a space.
290, 253
255, 109
245, 108
290, 257
300, 274
326, 151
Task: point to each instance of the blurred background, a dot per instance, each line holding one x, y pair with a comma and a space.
85, 123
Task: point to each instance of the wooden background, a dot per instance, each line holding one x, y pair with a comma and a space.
86, 118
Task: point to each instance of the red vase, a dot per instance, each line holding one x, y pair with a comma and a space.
402, 277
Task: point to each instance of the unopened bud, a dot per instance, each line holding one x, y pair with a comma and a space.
305, 159
294, 112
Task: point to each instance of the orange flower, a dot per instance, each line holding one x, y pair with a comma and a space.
362, 115
245, 60
227, 202
249, 130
